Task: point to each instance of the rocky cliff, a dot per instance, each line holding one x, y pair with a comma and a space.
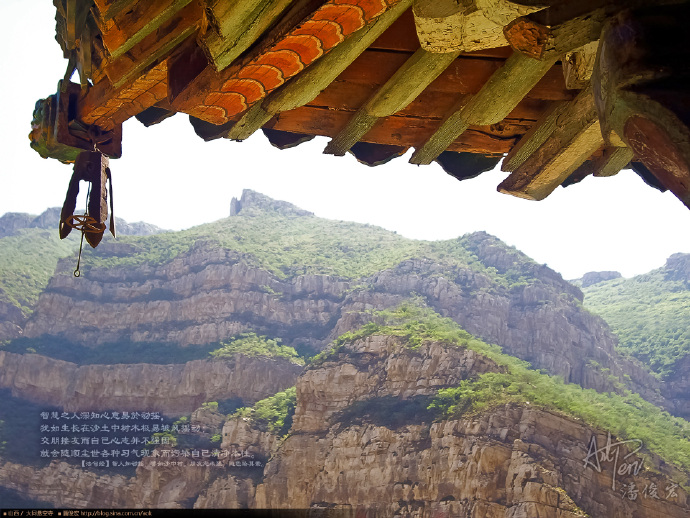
211, 293
169, 389
346, 451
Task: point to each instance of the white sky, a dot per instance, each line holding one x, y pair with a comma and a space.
169, 177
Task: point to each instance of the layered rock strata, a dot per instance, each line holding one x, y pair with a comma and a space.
170, 389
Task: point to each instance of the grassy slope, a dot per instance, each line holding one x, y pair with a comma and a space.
627, 416
27, 261
289, 245
649, 313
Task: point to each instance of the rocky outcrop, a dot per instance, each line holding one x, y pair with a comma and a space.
207, 295
677, 268
170, 389
381, 366
252, 200
592, 278
211, 294
514, 461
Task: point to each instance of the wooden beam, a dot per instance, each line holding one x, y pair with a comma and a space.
239, 24
497, 98
640, 83
578, 66
612, 160
115, 8
126, 30
309, 83
542, 42
399, 91
575, 136
534, 138
452, 26
155, 47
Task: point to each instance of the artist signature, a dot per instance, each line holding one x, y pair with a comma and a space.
625, 466
610, 452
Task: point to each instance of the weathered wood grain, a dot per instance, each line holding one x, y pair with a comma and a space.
449, 26
239, 25
575, 135
397, 93
497, 98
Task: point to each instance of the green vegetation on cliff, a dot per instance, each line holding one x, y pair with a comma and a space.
650, 314
250, 344
287, 244
27, 261
272, 414
626, 416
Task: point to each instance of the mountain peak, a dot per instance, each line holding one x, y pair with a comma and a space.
678, 267
253, 199
592, 278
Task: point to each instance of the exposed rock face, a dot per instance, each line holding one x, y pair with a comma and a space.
211, 294
11, 318
512, 462
256, 200
202, 297
678, 268
381, 366
591, 278
170, 389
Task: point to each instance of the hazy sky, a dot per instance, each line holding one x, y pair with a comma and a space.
170, 177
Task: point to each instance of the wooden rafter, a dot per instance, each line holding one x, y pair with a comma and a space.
499, 96
398, 92
237, 25
568, 140
305, 87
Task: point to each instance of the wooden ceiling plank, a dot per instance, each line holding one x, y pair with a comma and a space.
239, 24
304, 87
449, 26
399, 131
497, 98
574, 138
396, 94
